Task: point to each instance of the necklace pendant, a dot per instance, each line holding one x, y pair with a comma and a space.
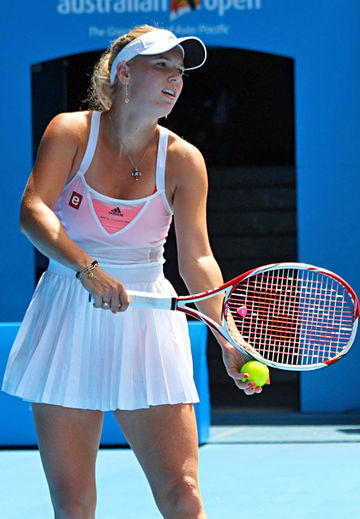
136, 174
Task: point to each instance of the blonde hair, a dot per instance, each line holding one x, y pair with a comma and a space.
102, 91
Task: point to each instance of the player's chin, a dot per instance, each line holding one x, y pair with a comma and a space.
169, 104
168, 109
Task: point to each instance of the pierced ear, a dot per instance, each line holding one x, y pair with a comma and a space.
123, 72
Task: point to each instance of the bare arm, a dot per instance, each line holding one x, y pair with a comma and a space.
197, 265
52, 169
58, 154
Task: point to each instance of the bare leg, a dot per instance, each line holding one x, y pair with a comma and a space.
68, 442
165, 441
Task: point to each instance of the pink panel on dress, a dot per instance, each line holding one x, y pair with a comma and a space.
114, 218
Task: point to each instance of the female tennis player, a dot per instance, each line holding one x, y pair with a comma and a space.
99, 202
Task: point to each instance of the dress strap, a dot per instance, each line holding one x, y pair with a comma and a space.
161, 159
91, 145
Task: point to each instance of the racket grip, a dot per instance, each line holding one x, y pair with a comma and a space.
148, 300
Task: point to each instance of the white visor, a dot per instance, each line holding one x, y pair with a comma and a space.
159, 41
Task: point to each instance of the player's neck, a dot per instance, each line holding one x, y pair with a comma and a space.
129, 129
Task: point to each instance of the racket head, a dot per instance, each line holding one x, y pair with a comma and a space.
294, 316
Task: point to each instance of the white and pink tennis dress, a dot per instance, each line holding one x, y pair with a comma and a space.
69, 353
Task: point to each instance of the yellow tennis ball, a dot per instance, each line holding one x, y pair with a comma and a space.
259, 373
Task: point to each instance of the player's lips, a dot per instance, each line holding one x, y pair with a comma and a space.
170, 92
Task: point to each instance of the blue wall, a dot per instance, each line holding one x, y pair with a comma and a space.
323, 39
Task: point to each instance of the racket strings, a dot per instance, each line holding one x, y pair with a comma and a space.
293, 317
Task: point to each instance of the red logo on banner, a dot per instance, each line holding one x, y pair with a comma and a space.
180, 7
75, 200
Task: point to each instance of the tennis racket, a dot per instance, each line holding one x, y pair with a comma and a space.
293, 316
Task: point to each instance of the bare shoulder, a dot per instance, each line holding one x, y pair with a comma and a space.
182, 150
69, 125
64, 141
185, 162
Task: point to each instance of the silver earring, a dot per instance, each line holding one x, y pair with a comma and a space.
126, 100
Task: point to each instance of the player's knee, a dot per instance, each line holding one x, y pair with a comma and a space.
74, 507
182, 500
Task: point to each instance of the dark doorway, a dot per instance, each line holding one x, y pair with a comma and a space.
239, 111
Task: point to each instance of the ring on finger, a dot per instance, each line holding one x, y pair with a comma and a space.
106, 305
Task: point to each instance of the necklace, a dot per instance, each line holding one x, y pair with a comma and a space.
136, 173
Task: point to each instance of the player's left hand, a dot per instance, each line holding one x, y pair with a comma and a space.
234, 360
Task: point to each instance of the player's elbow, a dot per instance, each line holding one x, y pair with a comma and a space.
24, 218
28, 211
191, 266
185, 264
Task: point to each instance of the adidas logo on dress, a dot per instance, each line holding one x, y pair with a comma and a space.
116, 211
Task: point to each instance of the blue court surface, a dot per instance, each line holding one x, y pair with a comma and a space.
274, 469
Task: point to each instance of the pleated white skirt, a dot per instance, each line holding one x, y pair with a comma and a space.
68, 353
